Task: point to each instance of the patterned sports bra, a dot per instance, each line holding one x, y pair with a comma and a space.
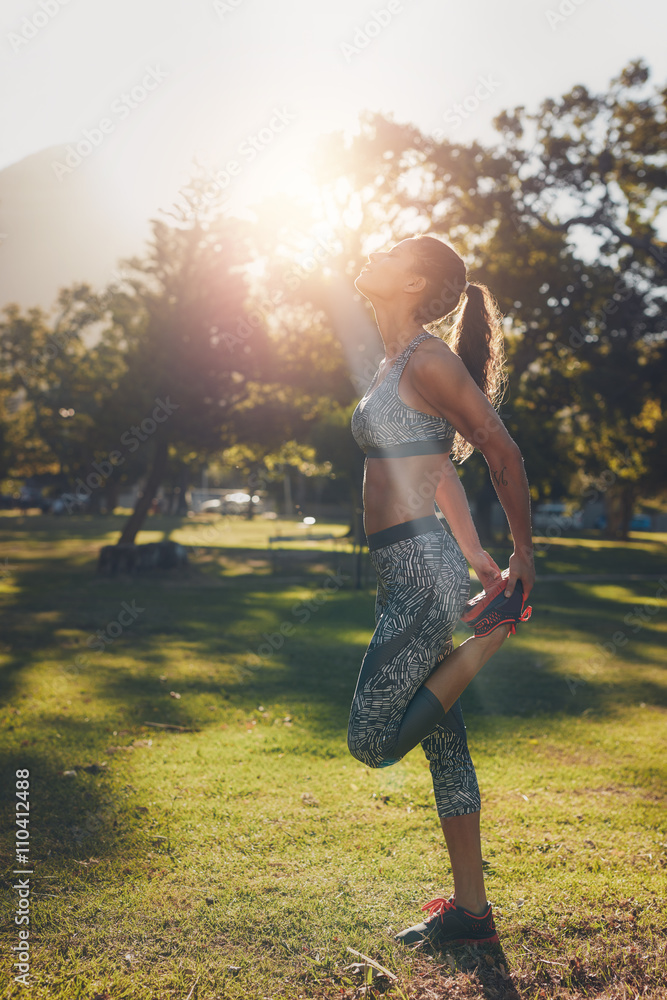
385, 427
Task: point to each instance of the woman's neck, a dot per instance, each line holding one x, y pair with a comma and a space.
397, 330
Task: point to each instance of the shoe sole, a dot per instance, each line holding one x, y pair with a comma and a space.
482, 628
490, 940
435, 943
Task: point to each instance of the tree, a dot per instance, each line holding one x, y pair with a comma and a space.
585, 338
59, 385
193, 353
598, 162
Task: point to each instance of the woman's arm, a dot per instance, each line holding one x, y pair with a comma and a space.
453, 502
444, 382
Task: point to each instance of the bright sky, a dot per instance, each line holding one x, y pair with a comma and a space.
174, 78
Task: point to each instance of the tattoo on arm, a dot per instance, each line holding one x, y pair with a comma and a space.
499, 477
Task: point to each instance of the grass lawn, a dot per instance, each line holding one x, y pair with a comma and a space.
242, 852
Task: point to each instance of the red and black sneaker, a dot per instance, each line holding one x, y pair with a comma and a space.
451, 924
489, 609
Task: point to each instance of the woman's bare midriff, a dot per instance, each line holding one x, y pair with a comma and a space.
399, 489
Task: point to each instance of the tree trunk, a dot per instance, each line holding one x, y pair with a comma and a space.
252, 478
95, 503
619, 502
111, 493
287, 484
155, 476
183, 483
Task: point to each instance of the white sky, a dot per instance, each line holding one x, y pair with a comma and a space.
227, 71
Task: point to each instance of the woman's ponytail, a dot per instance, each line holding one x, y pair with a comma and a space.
477, 338
476, 334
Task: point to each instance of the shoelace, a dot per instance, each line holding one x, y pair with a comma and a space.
523, 617
437, 907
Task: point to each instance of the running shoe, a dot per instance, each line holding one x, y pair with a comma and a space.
451, 924
489, 609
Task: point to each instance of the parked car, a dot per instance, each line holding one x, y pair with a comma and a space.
57, 506
554, 517
30, 497
211, 507
231, 503
67, 503
235, 503
638, 522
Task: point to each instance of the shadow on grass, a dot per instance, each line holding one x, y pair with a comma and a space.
305, 642
464, 971
603, 664
490, 967
259, 642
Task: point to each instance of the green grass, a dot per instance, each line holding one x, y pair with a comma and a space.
240, 859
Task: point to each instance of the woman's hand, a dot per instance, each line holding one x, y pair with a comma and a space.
488, 572
522, 567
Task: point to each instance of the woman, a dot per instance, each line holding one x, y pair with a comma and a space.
410, 679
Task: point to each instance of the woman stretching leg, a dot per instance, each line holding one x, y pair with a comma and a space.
410, 679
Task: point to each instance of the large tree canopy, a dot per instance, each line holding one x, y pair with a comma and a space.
248, 338
585, 325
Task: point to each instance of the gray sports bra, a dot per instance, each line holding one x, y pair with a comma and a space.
385, 427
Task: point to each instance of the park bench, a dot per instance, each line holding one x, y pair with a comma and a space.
133, 558
275, 549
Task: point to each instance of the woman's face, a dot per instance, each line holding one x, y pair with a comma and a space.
389, 272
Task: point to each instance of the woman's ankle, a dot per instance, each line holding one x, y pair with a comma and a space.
472, 905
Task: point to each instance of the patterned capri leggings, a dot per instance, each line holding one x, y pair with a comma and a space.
422, 586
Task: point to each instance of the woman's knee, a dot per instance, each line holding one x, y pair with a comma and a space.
367, 753
357, 745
